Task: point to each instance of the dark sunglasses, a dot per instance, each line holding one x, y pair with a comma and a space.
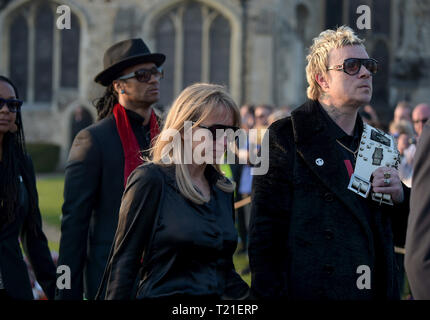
216, 127
352, 66
423, 121
13, 105
144, 75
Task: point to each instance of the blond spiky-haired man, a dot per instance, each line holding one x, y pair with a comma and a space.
311, 238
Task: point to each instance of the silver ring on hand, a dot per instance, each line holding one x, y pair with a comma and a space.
386, 181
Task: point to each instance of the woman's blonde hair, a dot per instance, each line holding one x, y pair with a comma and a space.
195, 103
318, 54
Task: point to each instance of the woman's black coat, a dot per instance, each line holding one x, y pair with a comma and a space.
12, 266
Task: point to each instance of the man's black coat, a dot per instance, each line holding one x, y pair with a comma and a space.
94, 184
308, 234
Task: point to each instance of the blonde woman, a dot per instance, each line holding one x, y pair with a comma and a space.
176, 231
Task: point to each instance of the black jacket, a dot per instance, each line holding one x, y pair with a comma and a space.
309, 233
94, 184
12, 266
186, 248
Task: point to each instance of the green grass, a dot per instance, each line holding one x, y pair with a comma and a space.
50, 189
241, 262
54, 246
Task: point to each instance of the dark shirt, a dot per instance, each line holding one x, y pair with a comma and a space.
142, 133
190, 252
337, 132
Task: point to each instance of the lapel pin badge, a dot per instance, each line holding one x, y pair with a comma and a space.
319, 162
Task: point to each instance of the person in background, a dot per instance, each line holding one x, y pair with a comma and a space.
19, 209
420, 115
261, 114
369, 116
244, 182
404, 135
282, 112
403, 111
81, 120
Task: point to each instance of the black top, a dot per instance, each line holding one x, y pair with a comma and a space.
337, 132
191, 250
142, 133
13, 269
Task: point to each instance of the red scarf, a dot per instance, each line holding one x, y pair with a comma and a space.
132, 156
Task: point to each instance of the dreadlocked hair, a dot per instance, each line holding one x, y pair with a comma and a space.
13, 165
105, 104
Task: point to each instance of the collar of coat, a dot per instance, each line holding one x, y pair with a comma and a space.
309, 121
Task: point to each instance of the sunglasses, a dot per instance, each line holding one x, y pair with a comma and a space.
213, 129
13, 105
144, 75
352, 66
423, 121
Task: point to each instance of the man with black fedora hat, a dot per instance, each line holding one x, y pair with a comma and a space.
101, 159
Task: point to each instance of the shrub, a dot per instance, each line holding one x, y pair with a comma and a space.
45, 156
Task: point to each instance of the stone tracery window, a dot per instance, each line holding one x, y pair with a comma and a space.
42, 58
196, 41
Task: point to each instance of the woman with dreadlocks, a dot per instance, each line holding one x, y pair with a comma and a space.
19, 210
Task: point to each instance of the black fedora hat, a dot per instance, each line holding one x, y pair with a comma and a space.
123, 55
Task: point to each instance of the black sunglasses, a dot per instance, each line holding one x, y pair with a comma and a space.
13, 105
144, 75
352, 66
216, 127
423, 121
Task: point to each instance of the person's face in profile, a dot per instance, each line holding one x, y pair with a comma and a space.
262, 117
7, 118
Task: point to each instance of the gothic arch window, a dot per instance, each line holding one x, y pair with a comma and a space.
192, 44
41, 58
70, 39
302, 18
333, 13
381, 80
44, 37
18, 54
196, 40
219, 51
165, 34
